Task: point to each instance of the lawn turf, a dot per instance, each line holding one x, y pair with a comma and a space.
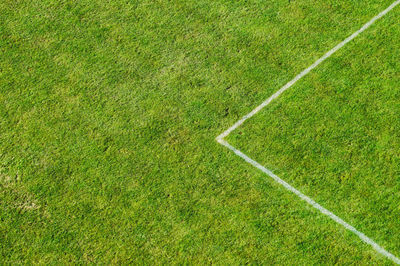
108, 115
335, 134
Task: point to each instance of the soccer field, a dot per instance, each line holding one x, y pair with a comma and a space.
109, 113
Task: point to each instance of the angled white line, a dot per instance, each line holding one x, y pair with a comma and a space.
310, 201
307, 70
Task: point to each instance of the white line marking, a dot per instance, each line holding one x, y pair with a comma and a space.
310, 201
307, 70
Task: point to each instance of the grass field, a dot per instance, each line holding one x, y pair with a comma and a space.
109, 113
335, 135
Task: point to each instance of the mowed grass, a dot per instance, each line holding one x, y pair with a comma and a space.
336, 134
108, 115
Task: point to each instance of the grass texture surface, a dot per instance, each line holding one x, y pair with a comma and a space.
109, 112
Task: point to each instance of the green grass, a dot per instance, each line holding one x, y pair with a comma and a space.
335, 135
109, 113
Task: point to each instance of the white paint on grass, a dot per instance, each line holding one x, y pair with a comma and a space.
307, 70
310, 201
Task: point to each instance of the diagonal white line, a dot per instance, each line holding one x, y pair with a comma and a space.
310, 201
307, 70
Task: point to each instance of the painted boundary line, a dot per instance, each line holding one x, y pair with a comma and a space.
310, 201
307, 70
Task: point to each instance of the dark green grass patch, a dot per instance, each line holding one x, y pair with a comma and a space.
335, 135
108, 116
